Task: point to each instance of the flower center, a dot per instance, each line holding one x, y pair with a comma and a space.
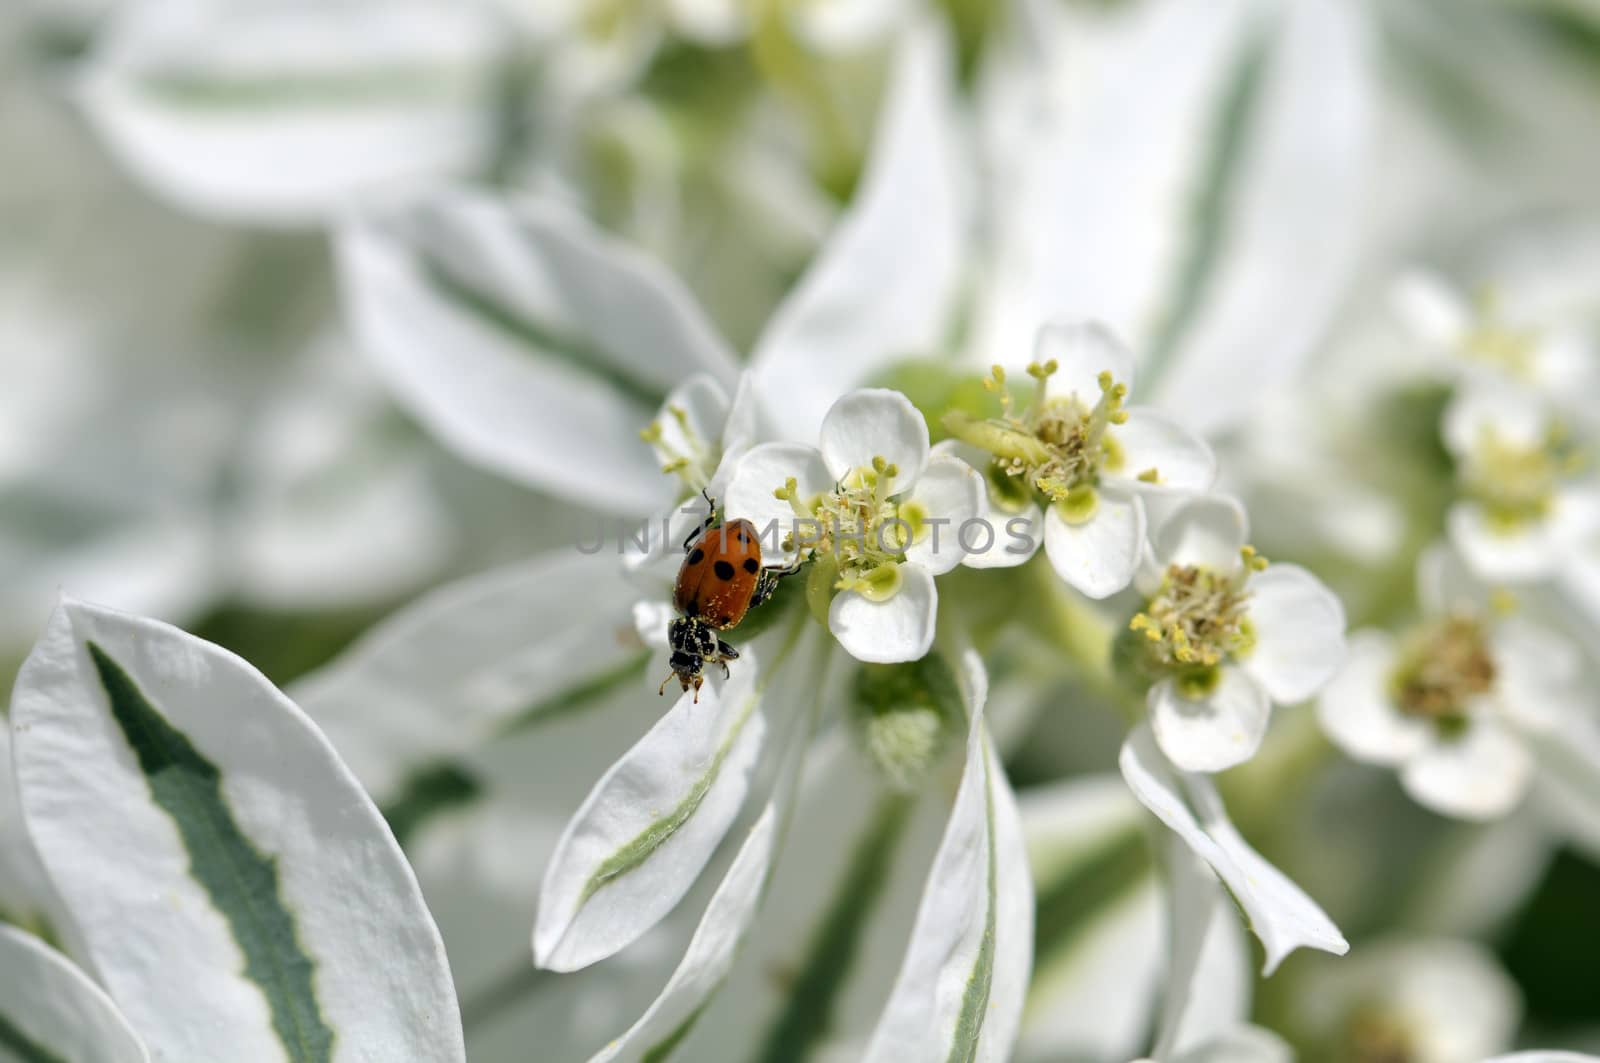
1495, 342
1374, 1036
681, 450
1057, 447
1516, 481
1441, 670
1199, 620
859, 527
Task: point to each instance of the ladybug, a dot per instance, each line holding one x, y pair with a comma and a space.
720, 580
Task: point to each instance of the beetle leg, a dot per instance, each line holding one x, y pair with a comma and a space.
726, 652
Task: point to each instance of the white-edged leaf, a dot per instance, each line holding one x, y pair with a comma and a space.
727, 919
960, 990
882, 286
527, 340
1099, 938
25, 895
1290, 198
1092, 186
50, 1010
650, 824
1209, 981
476, 657
189, 814
284, 113
1280, 913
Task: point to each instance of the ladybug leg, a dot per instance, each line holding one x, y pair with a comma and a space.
767, 582
726, 652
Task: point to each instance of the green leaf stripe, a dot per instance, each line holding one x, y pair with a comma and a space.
975, 1001
825, 972
662, 1051
380, 86
647, 841
14, 1044
1213, 201
570, 351
1070, 904
241, 881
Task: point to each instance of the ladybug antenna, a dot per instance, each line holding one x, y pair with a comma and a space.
711, 504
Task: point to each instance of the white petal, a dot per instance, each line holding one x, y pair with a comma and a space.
1431, 308
1281, 915
1527, 552
1099, 556
55, 1009
960, 988
1215, 733
1293, 199
1481, 774
705, 409
1208, 531
26, 896
527, 340
1536, 673
1016, 536
1511, 414
1544, 1057
206, 103
949, 490
1152, 440
883, 286
832, 26
875, 423
1356, 711
647, 829
709, 22
1082, 351
763, 470
900, 629
460, 665
1243, 1044
1299, 629
156, 772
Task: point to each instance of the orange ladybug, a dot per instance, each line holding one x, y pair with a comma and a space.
720, 580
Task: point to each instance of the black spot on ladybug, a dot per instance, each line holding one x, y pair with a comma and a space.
698, 556
752, 566
742, 537
723, 570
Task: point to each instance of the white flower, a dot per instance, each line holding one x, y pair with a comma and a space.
1431, 1001
1225, 635
874, 509
826, 25
1483, 338
1528, 502
1074, 450
1452, 704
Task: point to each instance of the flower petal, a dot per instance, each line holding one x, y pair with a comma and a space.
205, 103
949, 490
899, 629
1510, 413
1356, 712
1496, 554
51, 1010
1082, 350
1299, 629
1151, 440
834, 26
648, 827
1281, 915
875, 423
1447, 587
1208, 532
1213, 733
1099, 556
1016, 536
764, 469
527, 340
184, 807
960, 989
1431, 308
883, 285
26, 897
1479, 775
